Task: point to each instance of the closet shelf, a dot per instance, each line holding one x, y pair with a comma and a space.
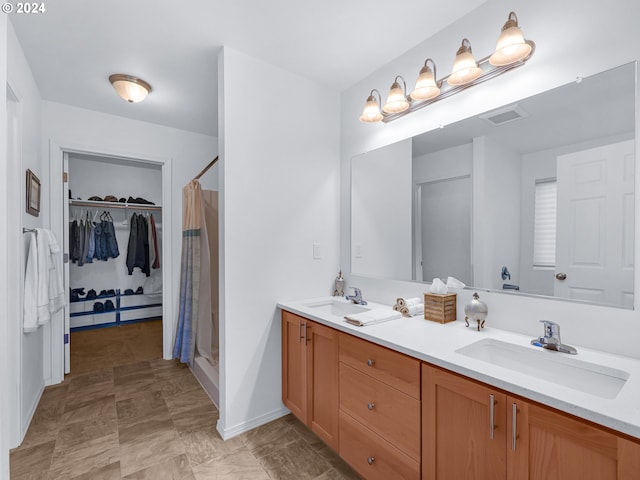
131, 206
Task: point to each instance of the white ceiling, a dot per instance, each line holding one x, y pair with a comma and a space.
75, 45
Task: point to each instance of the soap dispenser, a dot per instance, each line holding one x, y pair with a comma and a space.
339, 286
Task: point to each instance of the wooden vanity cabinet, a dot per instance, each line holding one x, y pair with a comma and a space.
379, 410
310, 375
525, 441
459, 439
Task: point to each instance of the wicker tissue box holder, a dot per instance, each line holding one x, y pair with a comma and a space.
440, 307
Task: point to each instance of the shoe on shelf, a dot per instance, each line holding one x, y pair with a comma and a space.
98, 307
128, 291
139, 291
108, 306
91, 294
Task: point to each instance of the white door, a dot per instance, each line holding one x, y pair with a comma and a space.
595, 229
65, 233
445, 229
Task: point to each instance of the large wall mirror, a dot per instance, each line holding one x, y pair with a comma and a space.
536, 197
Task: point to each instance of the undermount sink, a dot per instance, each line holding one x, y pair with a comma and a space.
337, 308
553, 367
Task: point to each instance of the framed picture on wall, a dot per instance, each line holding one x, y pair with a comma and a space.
33, 194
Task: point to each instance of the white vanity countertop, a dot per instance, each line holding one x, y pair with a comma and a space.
437, 344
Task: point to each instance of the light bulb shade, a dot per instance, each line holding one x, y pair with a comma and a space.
465, 68
130, 89
396, 100
371, 112
511, 46
426, 86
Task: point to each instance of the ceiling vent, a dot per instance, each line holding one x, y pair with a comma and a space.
504, 115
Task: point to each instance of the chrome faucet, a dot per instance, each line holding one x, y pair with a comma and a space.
356, 297
551, 339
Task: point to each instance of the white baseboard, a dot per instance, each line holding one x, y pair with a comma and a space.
26, 420
228, 433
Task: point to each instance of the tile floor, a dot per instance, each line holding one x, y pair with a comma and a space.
123, 416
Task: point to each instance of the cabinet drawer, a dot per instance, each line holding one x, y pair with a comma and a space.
371, 456
390, 413
393, 368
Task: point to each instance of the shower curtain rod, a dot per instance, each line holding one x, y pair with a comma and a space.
204, 170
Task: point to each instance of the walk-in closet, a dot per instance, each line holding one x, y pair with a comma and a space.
114, 242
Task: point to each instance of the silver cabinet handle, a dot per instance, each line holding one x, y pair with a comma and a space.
491, 415
514, 428
370, 460
371, 362
371, 405
299, 331
306, 339
561, 276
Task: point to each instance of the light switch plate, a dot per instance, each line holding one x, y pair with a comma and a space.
316, 251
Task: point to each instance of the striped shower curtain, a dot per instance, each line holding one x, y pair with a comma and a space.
192, 230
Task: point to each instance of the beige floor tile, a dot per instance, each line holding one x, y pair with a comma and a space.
134, 384
84, 458
31, 460
334, 474
145, 451
180, 402
41, 431
238, 465
263, 440
104, 407
140, 407
77, 435
107, 472
206, 444
294, 461
205, 416
178, 384
176, 468
131, 368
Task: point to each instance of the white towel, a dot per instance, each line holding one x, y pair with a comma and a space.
30, 309
412, 310
44, 288
408, 302
370, 317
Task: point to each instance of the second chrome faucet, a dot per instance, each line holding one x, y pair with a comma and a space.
551, 339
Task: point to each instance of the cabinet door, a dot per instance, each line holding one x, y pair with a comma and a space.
464, 428
553, 446
294, 374
322, 381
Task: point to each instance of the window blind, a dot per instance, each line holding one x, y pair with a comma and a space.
544, 242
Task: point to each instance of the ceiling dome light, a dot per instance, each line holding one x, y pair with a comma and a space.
397, 99
131, 89
371, 112
465, 69
511, 46
426, 85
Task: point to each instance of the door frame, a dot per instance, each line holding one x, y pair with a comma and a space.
58, 204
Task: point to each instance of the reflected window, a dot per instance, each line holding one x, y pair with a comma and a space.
544, 241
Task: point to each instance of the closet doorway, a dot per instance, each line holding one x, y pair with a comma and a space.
110, 286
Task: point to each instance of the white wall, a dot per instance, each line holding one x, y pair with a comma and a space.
280, 169
29, 350
6, 276
564, 51
498, 222
187, 153
381, 199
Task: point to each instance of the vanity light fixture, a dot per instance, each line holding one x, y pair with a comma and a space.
371, 112
512, 50
132, 89
511, 46
397, 99
465, 69
426, 85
